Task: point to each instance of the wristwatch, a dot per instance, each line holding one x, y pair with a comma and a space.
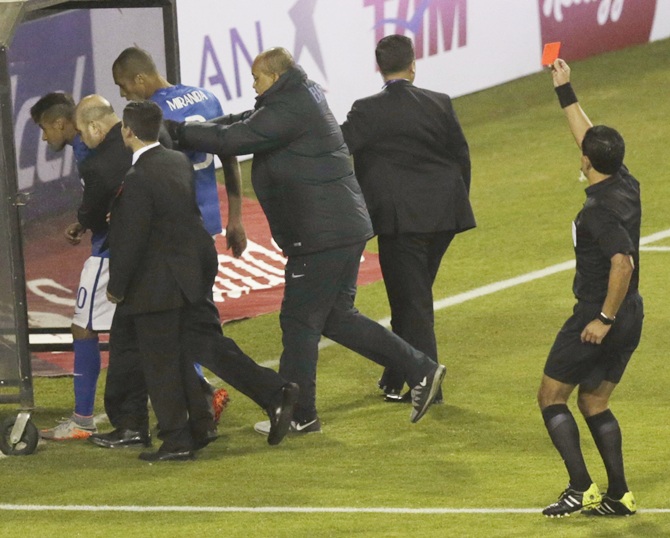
605, 320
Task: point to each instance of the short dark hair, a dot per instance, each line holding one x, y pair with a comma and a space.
394, 53
144, 119
605, 149
53, 106
134, 61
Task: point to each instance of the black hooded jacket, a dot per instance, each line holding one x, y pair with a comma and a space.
301, 173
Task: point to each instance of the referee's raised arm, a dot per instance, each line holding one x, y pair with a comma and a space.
578, 121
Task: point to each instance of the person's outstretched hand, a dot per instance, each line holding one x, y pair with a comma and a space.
560, 71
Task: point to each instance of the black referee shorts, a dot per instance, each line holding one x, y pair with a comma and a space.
575, 363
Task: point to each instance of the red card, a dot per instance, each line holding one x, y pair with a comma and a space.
550, 53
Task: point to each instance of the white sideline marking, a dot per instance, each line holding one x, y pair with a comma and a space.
284, 509
655, 237
488, 289
469, 295
498, 286
501, 285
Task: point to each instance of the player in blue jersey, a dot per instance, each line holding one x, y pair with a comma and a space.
137, 77
55, 115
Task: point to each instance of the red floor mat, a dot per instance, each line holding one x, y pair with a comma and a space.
244, 288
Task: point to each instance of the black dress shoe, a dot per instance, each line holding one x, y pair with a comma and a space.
282, 413
121, 438
203, 441
164, 455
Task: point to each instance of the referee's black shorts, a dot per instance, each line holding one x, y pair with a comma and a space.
575, 363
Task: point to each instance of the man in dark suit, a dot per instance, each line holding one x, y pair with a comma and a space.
162, 268
413, 164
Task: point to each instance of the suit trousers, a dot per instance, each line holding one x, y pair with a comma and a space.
163, 371
204, 340
319, 300
125, 388
409, 264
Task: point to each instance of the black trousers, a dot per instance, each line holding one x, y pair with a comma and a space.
409, 264
319, 299
169, 375
125, 388
201, 340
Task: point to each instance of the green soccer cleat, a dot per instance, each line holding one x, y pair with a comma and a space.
572, 501
626, 506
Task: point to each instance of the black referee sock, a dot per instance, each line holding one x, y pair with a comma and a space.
607, 436
564, 433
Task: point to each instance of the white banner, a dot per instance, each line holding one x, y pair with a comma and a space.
462, 46
130, 27
661, 27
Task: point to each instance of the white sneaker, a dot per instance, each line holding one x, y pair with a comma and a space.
69, 429
262, 427
300, 428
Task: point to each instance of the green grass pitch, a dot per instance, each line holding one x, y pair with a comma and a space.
486, 447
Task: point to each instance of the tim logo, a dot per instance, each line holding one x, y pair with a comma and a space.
427, 21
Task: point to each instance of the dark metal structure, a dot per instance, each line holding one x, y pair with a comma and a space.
17, 434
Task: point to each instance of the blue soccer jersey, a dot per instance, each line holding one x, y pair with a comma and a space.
187, 103
80, 150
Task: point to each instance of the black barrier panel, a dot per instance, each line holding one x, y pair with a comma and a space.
14, 360
9, 356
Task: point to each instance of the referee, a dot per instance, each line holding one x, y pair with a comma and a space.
595, 344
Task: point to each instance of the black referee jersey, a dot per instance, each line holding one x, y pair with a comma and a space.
608, 224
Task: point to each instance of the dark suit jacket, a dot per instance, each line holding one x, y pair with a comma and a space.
411, 159
161, 256
102, 173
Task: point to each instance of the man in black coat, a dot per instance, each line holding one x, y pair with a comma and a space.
306, 186
413, 163
162, 268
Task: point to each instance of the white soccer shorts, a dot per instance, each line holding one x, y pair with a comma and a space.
92, 309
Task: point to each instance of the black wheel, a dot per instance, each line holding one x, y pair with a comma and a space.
26, 444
